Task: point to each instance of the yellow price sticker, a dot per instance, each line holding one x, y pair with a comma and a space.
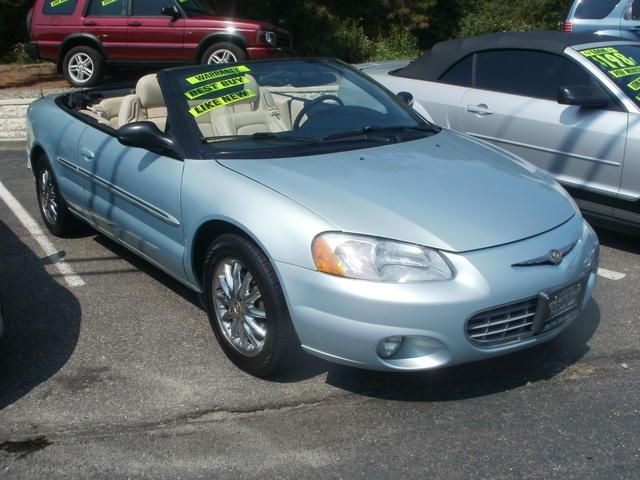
220, 102
56, 3
598, 51
625, 72
609, 58
635, 85
216, 86
215, 74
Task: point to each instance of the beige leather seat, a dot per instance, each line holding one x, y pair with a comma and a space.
254, 115
106, 112
147, 103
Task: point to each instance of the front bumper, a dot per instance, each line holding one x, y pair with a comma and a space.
344, 320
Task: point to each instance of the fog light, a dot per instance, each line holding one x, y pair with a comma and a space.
389, 347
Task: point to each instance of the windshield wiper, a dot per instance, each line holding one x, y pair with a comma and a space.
260, 136
369, 133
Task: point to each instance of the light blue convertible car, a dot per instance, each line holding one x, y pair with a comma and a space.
310, 206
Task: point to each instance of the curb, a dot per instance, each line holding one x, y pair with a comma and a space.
12, 119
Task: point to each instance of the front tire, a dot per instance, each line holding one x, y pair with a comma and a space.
55, 213
247, 308
83, 66
221, 53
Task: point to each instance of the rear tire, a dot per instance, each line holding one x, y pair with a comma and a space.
83, 66
55, 213
269, 322
221, 53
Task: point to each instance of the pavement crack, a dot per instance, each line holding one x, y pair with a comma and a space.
183, 420
26, 447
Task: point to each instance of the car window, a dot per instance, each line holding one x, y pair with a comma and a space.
460, 74
107, 8
59, 7
195, 8
528, 73
148, 8
621, 64
634, 11
595, 9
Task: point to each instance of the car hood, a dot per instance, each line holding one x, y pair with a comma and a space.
447, 191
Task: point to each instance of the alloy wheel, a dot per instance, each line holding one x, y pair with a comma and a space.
48, 196
239, 307
81, 67
222, 56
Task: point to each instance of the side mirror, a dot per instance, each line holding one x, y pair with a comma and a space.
171, 11
148, 136
406, 97
582, 96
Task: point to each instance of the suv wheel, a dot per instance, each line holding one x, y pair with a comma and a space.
83, 66
223, 53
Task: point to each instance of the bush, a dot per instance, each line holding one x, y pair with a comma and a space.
488, 16
398, 44
348, 41
16, 54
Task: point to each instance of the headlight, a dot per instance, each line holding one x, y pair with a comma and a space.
378, 260
268, 38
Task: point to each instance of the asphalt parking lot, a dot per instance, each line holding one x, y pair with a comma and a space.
114, 372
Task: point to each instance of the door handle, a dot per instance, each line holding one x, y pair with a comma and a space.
134, 24
90, 23
87, 154
480, 110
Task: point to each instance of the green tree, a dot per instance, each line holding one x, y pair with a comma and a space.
485, 16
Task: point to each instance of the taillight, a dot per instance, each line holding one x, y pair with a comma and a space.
567, 26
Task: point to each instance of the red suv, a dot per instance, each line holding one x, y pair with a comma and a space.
83, 36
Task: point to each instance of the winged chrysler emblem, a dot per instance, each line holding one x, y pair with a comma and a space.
554, 257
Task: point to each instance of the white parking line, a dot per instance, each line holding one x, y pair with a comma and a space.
72, 279
611, 275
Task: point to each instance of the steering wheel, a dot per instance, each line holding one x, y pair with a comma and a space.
312, 104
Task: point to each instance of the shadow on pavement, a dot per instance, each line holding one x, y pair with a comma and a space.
618, 240
42, 320
146, 267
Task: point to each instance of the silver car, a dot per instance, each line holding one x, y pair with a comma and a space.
310, 207
569, 103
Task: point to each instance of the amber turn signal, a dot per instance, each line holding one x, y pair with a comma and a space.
325, 259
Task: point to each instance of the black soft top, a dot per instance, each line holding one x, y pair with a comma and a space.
432, 64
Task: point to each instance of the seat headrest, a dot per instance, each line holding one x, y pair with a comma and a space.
255, 88
149, 92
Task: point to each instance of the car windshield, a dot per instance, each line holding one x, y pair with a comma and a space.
196, 8
284, 105
621, 63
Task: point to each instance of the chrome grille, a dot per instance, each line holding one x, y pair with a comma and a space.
503, 324
511, 323
553, 323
